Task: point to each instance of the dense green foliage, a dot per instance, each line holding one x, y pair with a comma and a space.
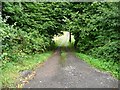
35, 23
95, 27
16, 41
30, 17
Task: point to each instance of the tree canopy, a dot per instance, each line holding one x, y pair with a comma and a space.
95, 26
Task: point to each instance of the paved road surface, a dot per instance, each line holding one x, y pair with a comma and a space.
69, 73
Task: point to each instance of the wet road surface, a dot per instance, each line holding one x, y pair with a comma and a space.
70, 72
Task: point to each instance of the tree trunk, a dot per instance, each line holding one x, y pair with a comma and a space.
70, 36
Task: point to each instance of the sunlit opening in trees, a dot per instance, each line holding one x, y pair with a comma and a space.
63, 39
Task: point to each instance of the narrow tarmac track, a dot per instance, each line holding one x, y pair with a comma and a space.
70, 72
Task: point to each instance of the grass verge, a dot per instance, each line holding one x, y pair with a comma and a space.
103, 65
11, 70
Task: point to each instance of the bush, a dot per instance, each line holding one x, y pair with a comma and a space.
16, 41
109, 51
